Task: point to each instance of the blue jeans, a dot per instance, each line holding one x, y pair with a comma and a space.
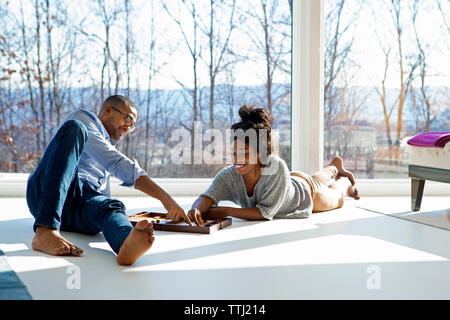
59, 199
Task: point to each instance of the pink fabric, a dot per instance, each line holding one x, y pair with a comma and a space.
430, 139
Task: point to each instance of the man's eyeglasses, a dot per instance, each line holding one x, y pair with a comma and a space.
127, 118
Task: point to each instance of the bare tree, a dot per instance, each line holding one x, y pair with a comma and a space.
387, 110
54, 61
39, 76
128, 41
406, 64
426, 100
193, 45
28, 72
218, 42
229, 94
151, 74
406, 74
108, 19
445, 15
422, 68
6, 128
269, 41
337, 55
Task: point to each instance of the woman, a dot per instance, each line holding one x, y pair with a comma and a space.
261, 184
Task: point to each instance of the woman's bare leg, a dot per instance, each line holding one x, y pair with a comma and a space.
326, 175
334, 171
342, 172
327, 198
330, 194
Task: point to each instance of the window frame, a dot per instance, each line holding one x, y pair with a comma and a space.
307, 85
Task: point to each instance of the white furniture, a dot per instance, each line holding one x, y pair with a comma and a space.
427, 163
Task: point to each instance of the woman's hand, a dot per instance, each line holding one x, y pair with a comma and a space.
212, 214
195, 215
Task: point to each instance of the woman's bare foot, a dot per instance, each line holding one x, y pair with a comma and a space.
49, 241
136, 244
339, 164
353, 192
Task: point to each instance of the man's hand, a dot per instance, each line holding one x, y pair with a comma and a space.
195, 215
175, 212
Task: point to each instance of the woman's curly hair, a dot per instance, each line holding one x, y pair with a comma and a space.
256, 119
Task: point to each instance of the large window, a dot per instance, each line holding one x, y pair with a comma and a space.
188, 66
386, 78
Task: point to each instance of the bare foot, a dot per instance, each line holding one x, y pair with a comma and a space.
49, 241
339, 164
136, 244
353, 192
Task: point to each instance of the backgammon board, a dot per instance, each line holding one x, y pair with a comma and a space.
160, 222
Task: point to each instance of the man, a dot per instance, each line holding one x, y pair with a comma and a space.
70, 188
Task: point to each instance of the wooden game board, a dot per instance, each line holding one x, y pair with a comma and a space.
160, 222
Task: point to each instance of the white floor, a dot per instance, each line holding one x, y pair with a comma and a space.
348, 253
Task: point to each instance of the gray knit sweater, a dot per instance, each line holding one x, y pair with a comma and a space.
277, 195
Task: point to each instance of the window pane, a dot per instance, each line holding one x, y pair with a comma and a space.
386, 79
186, 64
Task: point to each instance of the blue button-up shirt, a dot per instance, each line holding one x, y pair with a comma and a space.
100, 158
